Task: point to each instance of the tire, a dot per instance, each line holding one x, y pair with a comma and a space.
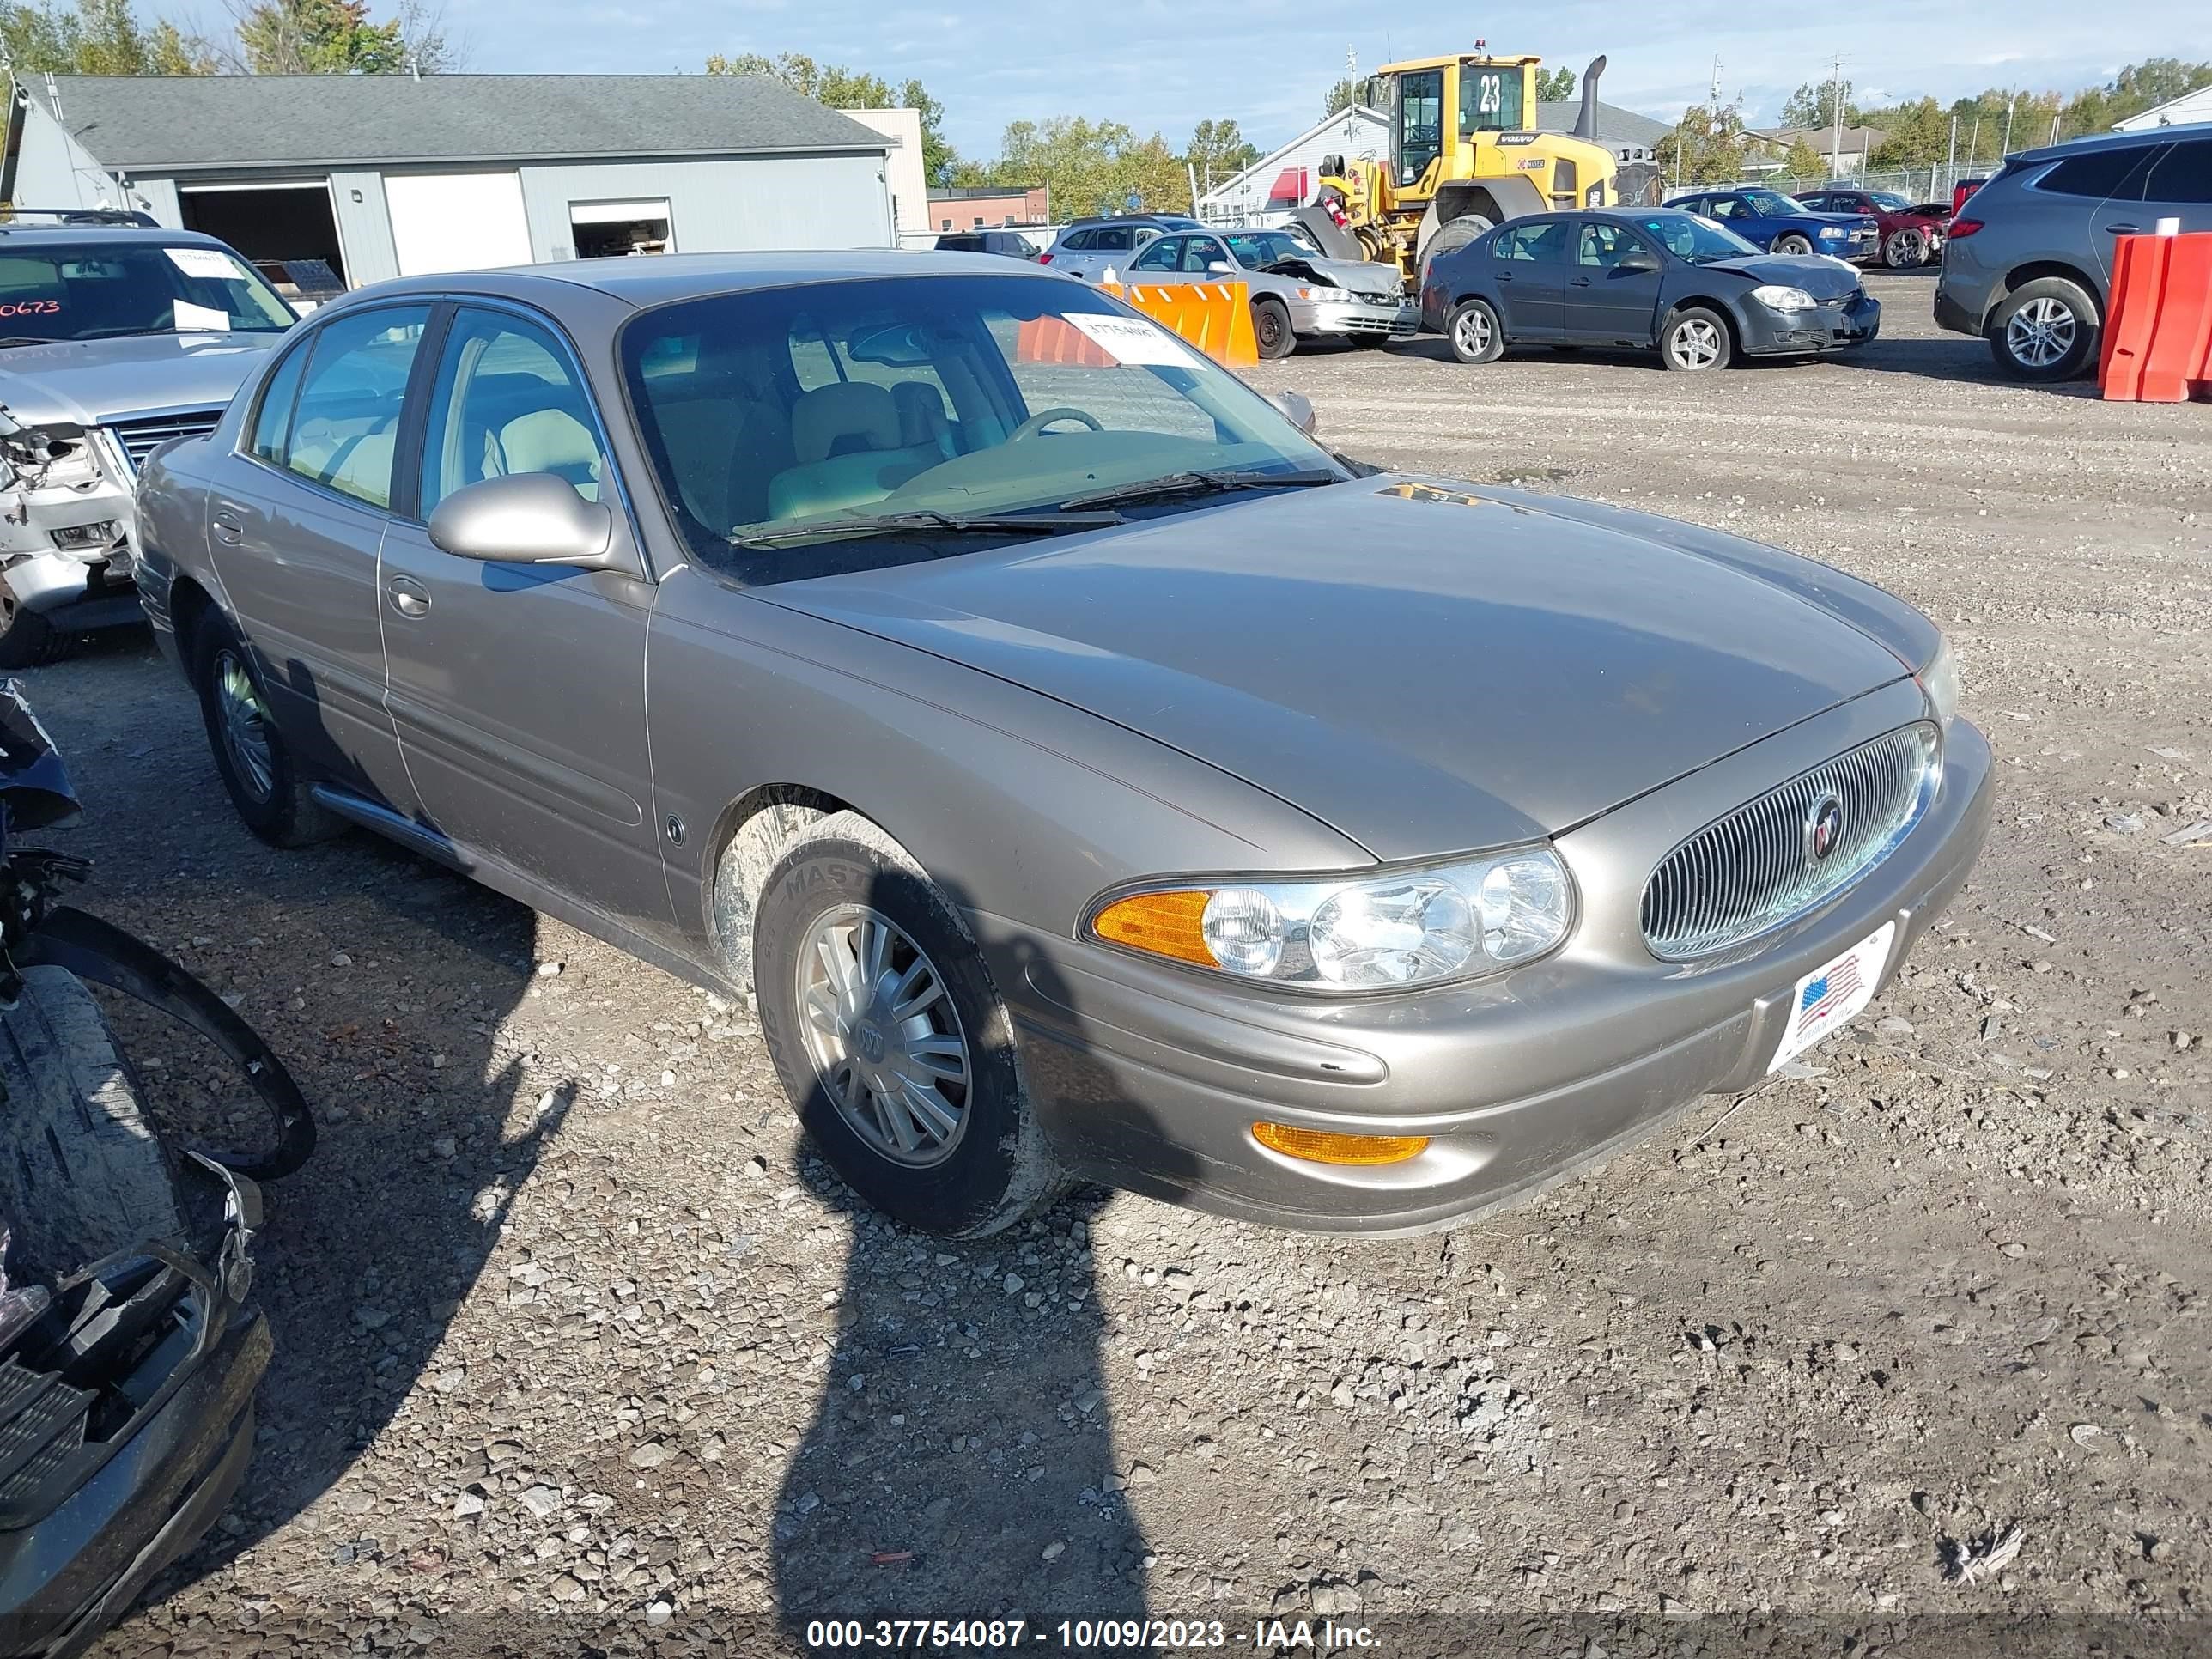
1271, 328
1475, 333
27, 639
1451, 236
82, 1175
1792, 243
1905, 248
272, 798
1695, 339
975, 1159
2045, 329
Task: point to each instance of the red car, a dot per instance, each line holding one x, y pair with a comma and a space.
1912, 233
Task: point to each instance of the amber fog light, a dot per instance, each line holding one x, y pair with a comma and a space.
1321, 1146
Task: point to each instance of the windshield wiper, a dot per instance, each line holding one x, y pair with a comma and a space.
1172, 484
897, 523
24, 339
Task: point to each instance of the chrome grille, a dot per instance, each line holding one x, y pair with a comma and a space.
1752, 870
140, 438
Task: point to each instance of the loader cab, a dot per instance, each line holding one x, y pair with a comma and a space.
1438, 106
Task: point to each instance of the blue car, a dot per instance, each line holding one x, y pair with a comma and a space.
1783, 224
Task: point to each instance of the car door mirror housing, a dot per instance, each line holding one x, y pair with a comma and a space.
1298, 409
1636, 258
1219, 267
528, 517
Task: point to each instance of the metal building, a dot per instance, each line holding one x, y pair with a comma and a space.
394, 175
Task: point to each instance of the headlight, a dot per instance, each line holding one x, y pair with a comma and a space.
1775, 297
1374, 933
1940, 680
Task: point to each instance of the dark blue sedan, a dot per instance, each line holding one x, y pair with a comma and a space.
1783, 224
1648, 278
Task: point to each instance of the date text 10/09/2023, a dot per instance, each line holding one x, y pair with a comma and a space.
1080, 1635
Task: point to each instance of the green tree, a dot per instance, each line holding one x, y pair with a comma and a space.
1813, 105
1916, 134
1218, 150
1341, 96
1555, 86
97, 37
1706, 146
841, 87
1093, 166
1804, 162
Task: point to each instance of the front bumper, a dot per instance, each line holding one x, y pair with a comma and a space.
1150, 1078
1831, 326
65, 539
1394, 319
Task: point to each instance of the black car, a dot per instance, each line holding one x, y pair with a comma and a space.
1010, 243
1652, 278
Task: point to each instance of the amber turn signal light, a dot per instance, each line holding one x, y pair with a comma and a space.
1321, 1147
1165, 924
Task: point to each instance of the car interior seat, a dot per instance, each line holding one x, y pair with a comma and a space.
849, 444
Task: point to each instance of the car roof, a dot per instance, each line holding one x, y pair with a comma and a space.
22, 234
671, 276
2099, 141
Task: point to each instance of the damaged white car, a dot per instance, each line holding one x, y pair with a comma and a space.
116, 336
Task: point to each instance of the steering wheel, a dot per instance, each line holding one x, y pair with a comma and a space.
1045, 417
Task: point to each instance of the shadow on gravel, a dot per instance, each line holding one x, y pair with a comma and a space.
961, 1463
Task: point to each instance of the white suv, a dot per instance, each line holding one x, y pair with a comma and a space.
1088, 248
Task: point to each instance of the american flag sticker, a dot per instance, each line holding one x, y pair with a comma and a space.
1833, 994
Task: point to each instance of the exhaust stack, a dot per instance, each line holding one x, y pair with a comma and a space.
1586, 119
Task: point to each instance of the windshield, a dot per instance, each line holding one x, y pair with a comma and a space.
1257, 249
1698, 240
1773, 204
1890, 199
772, 411
97, 290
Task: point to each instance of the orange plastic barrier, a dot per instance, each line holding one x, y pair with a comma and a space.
2158, 325
1215, 317
1055, 340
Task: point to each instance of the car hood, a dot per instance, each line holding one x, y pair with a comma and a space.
1817, 274
93, 381
1358, 276
1423, 667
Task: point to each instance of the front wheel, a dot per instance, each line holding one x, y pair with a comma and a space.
2045, 329
1474, 331
1696, 339
1792, 243
1271, 328
890, 1039
1905, 249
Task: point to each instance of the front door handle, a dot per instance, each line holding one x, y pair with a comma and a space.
409, 597
2124, 230
228, 529
1578, 282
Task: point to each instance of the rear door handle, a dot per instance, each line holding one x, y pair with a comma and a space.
1578, 282
2124, 230
228, 529
409, 597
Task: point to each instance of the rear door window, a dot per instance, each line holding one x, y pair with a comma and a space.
346, 424
1536, 244
2101, 175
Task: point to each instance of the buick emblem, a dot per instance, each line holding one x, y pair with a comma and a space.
869, 1040
1824, 828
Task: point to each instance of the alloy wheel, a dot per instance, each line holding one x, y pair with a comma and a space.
244, 724
884, 1036
1695, 343
1907, 247
2041, 332
1471, 331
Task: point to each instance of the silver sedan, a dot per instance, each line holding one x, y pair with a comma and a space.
1296, 294
1089, 775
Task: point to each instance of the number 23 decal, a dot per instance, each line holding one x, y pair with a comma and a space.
1488, 95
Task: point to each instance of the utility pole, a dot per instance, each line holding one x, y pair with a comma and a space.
1352, 79
1836, 87
2009, 102
1951, 164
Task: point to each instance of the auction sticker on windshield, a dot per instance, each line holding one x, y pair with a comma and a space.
1129, 340
1833, 994
202, 262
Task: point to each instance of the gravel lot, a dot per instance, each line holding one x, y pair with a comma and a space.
571, 1328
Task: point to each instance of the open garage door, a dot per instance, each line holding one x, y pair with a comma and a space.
456, 220
271, 224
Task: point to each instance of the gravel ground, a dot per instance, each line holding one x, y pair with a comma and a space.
574, 1338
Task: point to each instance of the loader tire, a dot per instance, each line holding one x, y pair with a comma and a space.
1451, 236
82, 1174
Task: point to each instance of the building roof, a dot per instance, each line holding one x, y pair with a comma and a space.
1272, 162
1857, 141
2185, 111
1616, 125
164, 124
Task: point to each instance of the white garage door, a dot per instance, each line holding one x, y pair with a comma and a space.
457, 220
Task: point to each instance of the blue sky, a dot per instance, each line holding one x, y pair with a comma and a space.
1167, 64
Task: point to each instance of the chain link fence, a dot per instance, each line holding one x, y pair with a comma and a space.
1929, 183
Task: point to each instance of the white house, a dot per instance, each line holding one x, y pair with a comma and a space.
1287, 178
2189, 107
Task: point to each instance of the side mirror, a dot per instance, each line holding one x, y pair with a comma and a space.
528, 517
1219, 268
1296, 408
1638, 259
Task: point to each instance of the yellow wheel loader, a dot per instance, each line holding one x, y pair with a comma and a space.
1465, 156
